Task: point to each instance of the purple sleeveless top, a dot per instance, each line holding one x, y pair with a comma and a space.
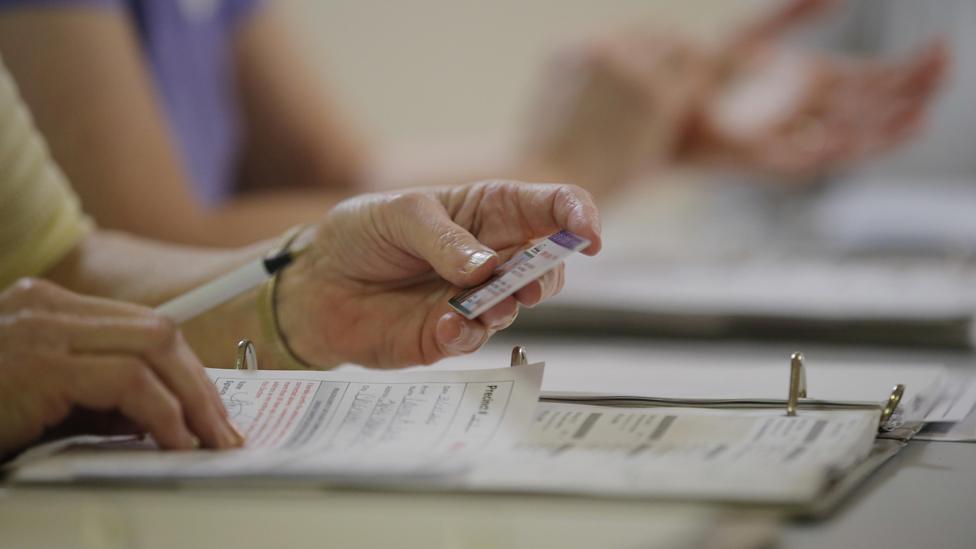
187, 44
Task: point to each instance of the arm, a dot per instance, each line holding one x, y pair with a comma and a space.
374, 286
121, 267
373, 289
295, 135
125, 168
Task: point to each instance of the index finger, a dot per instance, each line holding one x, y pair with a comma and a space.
159, 343
40, 294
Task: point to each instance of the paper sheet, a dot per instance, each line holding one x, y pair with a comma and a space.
321, 422
959, 394
681, 452
366, 412
486, 430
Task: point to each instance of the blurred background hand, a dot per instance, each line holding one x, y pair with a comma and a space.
373, 289
614, 107
622, 105
788, 114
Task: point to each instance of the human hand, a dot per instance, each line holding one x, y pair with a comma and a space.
615, 108
610, 109
81, 364
794, 115
373, 288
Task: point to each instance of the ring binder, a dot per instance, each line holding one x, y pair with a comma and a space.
519, 358
247, 357
798, 383
798, 390
894, 399
247, 360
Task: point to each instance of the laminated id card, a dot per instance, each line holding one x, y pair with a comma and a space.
517, 272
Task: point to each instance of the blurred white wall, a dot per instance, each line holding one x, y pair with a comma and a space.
434, 70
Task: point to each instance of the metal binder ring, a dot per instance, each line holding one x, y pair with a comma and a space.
247, 357
519, 357
894, 399
798, 384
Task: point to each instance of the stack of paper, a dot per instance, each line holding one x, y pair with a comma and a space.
758, 456
485, 430
318, 424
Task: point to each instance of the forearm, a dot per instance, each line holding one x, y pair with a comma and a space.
119, 266
248, 217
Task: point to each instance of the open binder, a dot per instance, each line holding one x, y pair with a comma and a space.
892, 432
797, 395
796, 399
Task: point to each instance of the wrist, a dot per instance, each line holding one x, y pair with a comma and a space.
301, 299
303, 324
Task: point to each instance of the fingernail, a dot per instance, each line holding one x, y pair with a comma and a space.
229, 436
505, 323
545, 286
476, 260
241, 439
462, 336
466, 338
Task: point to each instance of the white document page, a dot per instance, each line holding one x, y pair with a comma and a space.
308, 423
681, 452
959, 392
956, 398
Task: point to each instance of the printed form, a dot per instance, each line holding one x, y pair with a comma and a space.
357, 415
485, 430
681, 452
333, 424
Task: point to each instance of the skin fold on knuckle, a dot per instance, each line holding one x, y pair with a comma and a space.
30, 291
162, 342
400, 217
33, 329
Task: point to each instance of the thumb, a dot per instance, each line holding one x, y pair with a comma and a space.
430, 234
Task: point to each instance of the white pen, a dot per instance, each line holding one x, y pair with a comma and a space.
226, 287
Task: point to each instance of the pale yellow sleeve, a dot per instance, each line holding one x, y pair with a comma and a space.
40, 217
